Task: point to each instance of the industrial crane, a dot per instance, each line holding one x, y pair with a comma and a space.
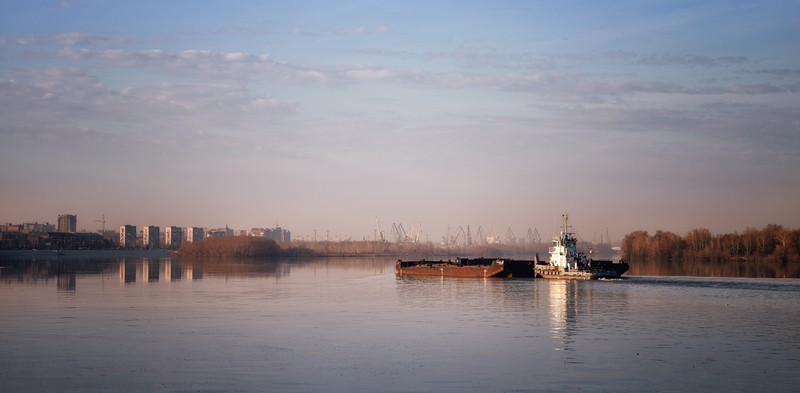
510, 237
379, 234
481, 236
533, 236
399, 233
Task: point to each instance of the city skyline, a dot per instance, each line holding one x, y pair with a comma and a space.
328, 116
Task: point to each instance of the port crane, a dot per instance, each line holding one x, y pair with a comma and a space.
455, 238
416, 231
379, 234
491, 238
399, 233
481, 237
533, 236
510, 237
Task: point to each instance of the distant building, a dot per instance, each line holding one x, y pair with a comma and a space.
71, 241
150, 237
173, 237
67, 223
111, 236
37, 227
278, 234
219, 232
127, 236
194, 234
13, 240
28, 227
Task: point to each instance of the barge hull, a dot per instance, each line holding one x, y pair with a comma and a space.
467, 267
453, 271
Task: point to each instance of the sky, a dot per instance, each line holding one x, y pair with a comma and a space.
336, 116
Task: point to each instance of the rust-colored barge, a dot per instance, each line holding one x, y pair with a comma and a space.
466, 267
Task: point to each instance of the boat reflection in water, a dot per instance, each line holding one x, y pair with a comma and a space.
580, 309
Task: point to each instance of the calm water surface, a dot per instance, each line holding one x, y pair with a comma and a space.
163, 325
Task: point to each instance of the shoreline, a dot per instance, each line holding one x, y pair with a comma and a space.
71, 254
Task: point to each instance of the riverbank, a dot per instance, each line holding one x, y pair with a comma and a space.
7, 255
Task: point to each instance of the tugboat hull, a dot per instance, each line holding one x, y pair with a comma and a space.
553, 272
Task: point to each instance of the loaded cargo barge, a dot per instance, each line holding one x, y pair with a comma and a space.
467, 267
565, 263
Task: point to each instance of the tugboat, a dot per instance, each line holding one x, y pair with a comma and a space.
567, 263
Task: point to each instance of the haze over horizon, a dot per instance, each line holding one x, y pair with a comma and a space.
317, 115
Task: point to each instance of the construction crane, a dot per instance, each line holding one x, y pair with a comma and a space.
103, 221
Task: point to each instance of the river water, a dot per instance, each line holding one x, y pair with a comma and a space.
351, 325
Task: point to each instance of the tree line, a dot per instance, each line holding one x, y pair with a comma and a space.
231, 246
250, 246
773, 251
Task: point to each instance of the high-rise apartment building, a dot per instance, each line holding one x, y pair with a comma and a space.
173, 237
67, 223
150, 237
127, 236
194, 234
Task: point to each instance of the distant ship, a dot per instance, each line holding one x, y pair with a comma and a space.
567, 263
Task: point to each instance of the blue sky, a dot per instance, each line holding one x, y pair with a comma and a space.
319, 115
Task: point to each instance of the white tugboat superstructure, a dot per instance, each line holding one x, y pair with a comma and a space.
564, 249
568, 263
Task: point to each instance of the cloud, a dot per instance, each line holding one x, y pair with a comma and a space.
565, 77
504, 59
350, 31
242, 65
56, 100
66, 39
752, 126
343, 32
689, 60
782, 72
369, 74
